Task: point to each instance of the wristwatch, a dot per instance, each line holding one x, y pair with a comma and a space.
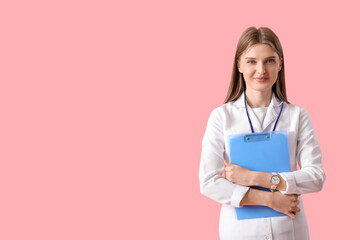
275, 180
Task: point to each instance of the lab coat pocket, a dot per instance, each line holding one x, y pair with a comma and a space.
283, 227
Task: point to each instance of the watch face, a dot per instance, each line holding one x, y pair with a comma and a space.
275, 180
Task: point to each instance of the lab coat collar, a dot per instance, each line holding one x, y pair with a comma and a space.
271, 114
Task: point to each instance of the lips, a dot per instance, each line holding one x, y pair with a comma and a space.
261, 79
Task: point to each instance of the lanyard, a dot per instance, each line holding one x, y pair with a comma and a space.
247, 113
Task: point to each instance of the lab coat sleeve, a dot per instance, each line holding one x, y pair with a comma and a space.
310, 177
212, 183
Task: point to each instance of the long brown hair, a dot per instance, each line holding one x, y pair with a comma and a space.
250, 37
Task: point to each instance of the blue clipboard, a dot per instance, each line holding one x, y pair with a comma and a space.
264, 152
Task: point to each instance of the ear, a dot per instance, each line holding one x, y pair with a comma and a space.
238, 66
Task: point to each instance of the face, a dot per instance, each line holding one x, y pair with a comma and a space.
260, 66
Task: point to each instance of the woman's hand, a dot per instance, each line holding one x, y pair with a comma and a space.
284, 203
237, 174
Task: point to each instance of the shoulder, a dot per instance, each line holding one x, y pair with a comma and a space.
222, 111
301, 118
296, 110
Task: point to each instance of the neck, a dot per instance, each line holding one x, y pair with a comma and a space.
257, 99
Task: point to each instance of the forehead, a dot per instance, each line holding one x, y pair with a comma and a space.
260, 50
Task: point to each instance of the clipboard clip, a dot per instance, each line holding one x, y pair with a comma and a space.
257, 137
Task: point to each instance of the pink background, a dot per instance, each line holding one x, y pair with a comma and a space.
104, 105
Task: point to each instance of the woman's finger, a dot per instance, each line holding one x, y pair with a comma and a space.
294, 204
296, 209
291, 215
229, 179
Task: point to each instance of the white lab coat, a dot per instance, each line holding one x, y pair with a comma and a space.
231, 118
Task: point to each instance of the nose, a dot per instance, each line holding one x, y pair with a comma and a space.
261, 68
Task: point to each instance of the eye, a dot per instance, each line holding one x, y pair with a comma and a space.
270, 60
251, 61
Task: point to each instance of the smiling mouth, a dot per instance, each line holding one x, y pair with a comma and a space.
262, 79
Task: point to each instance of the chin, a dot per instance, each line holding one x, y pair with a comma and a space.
261, 88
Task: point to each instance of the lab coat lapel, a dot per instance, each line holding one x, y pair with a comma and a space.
254, 120
240, 104
272, 113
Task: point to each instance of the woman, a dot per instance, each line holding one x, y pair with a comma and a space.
257, 94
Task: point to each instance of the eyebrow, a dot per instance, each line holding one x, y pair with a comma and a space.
265, 58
